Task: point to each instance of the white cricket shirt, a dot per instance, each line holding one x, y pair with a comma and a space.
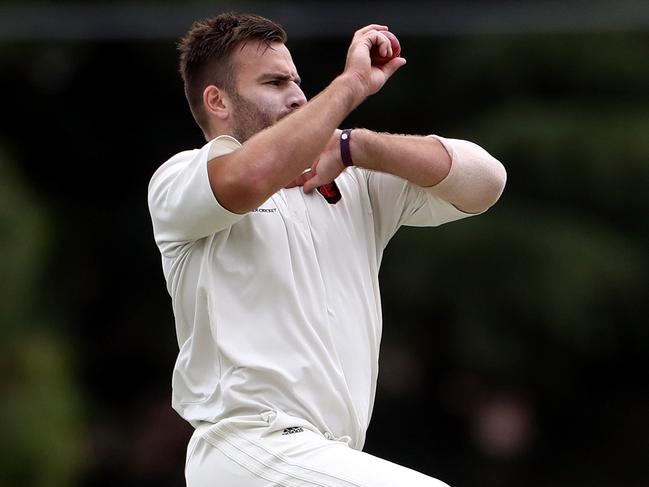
279, 309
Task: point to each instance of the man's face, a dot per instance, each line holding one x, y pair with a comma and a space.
267, 88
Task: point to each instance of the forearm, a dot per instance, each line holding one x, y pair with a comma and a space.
458, 171
272, 158
421, 160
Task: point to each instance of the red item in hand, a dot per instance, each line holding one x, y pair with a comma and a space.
376, 58
330, 192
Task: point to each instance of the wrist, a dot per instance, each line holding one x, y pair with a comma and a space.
345, 148
358, 147
355, 148
353, 86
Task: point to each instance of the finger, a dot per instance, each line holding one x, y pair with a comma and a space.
370, 27
375, 40
313, 183
301, 179
384, 45
308, 175
392, 66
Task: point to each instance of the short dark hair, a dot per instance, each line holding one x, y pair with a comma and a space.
206, 52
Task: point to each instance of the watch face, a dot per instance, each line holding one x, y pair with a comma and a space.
330, 192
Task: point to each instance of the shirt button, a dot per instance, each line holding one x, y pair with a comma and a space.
328, 435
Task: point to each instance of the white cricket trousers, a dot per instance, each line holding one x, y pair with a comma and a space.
274, 449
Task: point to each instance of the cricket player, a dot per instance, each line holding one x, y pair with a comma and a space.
271, 237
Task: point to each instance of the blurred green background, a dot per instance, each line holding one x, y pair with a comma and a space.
515, 344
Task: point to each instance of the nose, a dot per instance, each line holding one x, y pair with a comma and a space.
297, 98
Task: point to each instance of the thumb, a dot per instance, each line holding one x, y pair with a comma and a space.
393, 65
312, 183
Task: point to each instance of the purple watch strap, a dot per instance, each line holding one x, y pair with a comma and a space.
345, 153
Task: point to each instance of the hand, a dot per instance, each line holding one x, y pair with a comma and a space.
359, 64
328, 166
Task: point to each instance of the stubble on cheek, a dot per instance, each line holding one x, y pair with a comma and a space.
248, 118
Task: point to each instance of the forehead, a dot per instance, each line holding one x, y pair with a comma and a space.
256, 58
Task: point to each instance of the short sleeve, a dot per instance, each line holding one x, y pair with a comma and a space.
182, 205
396, 202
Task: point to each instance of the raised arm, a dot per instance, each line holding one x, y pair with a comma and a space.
269, 160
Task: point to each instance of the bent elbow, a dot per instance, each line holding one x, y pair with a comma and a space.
476, 179
493, 185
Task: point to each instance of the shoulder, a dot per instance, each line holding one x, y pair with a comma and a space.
180, 158
216, 147
172, 166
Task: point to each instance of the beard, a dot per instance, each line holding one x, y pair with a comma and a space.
248, 118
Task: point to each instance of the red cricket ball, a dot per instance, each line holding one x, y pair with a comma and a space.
396, 49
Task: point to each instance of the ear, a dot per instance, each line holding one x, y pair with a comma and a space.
216, 102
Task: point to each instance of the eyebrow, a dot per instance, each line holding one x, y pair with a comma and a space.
280, 76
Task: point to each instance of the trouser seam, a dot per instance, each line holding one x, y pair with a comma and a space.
286, 461
248, 465
292, 479
275, 458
